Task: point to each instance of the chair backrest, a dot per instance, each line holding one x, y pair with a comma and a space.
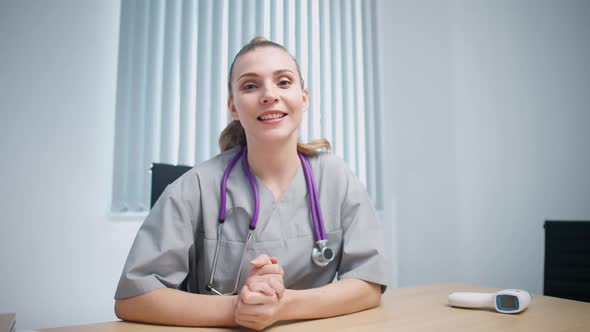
567, 260
162, 176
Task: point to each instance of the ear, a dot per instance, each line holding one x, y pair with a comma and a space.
305, 99
232, 109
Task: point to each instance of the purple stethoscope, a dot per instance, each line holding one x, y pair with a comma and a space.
321, 253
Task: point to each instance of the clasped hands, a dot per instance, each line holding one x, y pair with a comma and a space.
259, 302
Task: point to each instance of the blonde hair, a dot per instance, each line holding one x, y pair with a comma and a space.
234, 135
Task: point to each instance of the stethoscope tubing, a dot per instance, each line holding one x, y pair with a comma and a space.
214, 268
316, 212
231, 165
253, 186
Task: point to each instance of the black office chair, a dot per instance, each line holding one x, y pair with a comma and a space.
567, 260
162, 176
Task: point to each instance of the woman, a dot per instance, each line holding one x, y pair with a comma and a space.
181, 257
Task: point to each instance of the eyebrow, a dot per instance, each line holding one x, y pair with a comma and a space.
276, 72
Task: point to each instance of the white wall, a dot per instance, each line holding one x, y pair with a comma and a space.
60, 255
485, 109
416, 98
522, 114
488, 109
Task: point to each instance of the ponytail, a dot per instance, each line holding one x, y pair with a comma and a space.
233, 135
312, 148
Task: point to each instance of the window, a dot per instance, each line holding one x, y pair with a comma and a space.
174, 58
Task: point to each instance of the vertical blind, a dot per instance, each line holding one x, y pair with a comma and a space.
174, 58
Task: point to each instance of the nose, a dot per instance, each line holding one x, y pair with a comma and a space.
269, 96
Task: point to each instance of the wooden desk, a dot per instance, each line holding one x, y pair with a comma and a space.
419, 308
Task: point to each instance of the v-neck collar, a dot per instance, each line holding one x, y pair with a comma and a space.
295, 191
289, 192
291, 198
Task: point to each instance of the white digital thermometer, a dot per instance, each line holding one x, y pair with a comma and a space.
507, 301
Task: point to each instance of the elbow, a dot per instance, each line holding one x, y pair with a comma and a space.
120, 309
374, 299
137, 308
368, 295
377, 299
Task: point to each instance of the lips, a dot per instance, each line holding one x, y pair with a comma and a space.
271, 115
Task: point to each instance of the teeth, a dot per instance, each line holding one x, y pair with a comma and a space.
272, 116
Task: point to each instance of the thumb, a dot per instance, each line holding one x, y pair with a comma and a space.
260, 261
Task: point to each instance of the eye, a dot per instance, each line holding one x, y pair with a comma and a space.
248, 86
284, 82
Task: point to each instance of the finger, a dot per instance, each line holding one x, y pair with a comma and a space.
253, 322
274, 260
248, 317
252, 325
270, 269
249, 297
262, 287
260, 261
255, 298
267, 278
277, 286
255, 310
262, 315
267, 269
249, 322
273, 280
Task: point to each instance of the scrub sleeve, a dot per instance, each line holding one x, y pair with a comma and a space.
362, 235
164, 245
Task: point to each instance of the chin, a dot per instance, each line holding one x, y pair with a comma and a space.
276, 136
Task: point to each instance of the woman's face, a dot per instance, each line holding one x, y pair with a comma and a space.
267, 96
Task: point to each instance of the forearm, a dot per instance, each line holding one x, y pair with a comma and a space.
342, 297
173, 307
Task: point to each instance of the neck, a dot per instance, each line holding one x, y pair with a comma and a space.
275, 164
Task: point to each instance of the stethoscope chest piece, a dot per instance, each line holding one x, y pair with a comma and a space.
322, 254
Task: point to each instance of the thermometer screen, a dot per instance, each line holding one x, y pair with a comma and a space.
508, 301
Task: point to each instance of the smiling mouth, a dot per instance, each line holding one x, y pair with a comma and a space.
272, 116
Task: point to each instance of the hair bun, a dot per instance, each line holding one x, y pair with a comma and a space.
258, 39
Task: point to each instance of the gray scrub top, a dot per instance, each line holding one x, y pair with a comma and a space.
175, 245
